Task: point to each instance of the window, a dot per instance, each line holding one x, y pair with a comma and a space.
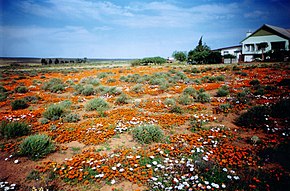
278, 45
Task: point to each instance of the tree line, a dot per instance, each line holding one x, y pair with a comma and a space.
49, 61
201, 54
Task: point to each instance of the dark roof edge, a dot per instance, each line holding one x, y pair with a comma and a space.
268, 26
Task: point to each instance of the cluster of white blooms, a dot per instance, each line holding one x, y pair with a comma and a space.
18, 118
6, 186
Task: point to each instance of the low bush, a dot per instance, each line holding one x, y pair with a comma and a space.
88, 90
2, 89
123, 99
55, 85
169, 102
90, 80
21, 89
71, 118
19, 104
281, 109
203, 97
190, 91
146, 134
254, 117
176, 109
138, 88
185, 99
254, 82
54, 112
110, 91
97, 104
32, 99
223, 91
36, 146
14, 129
243, 97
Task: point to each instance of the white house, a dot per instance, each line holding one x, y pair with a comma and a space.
235, 51
276, 38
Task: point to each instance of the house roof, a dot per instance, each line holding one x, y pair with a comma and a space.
228, 47
278, 30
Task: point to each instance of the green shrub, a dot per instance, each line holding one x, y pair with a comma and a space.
71, 118
32, 99
3, 89
146, 134
19, 104
281, 109
90, 80
111, 91
123, 99
137, 88
190, 91
220, 78
3, 97
225, 107
254, 117
21, 89
185, 99
54, 112
97, 104
55, 85
88, 90
36, 146
243, 97
14, 129
223, 91
254, 82
169, 102
104, 74
203, 97
176, 109
260, 91
111, 80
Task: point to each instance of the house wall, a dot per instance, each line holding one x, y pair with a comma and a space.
249, 46
233, 52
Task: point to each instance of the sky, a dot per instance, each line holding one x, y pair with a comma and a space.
129, 29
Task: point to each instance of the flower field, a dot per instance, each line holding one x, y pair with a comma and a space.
218, 127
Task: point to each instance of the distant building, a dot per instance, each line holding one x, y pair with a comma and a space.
275, 38
231, 54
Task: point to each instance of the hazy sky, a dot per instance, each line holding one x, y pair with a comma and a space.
129, 29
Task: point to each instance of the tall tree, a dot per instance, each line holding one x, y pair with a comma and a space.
179, 55
200, 53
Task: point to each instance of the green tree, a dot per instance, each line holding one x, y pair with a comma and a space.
262, 46
179, 55
199, 54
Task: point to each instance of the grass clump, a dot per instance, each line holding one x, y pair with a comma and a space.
54, 112
21, 89
55, 85
36, 146
19, 104
146, 134
97, 104
14, 129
